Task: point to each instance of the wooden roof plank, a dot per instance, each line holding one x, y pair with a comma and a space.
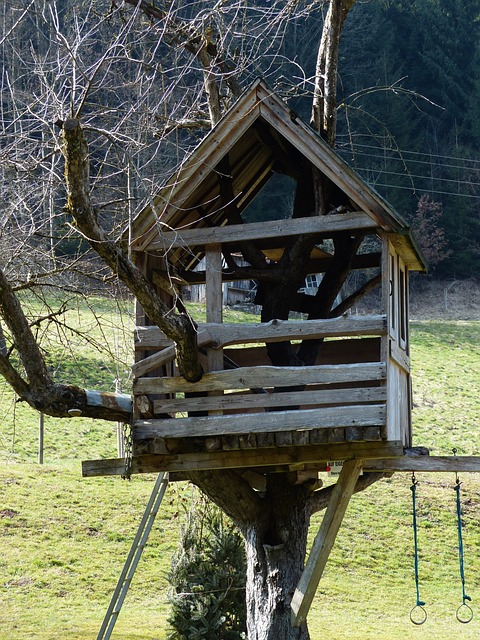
259, 102
193, 171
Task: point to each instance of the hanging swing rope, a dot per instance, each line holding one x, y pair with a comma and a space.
418, 614
464, 612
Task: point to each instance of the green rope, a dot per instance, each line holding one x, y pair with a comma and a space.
420, 604
458, 484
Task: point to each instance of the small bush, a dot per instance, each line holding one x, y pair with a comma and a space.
207, 578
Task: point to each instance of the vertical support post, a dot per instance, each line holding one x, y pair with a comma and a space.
120, 441
41, 433
214, 295
214, 300
324, 540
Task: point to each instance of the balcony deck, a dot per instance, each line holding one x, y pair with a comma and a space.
341, 399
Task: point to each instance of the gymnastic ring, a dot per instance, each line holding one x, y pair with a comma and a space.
421, 620
469, 613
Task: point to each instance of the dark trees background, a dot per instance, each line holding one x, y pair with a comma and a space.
422, 138
408, 117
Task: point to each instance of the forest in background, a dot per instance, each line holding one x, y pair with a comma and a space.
408, 117
408, 110
422, 137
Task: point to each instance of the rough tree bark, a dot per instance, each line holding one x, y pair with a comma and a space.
275, 528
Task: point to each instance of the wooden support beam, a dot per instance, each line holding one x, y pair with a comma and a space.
214, 311
430, 464
245, 458
316, 265
260, 230
324, 540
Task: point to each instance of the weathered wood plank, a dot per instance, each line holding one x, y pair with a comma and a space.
245, 458
399, 356
214, 310
431, 464
262, 230
257, 401
200, 426
324, 541
398, 401
259, 377
222, 335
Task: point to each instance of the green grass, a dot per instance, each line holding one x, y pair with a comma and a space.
64, 539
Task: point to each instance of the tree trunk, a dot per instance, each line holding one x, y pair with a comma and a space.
275, 552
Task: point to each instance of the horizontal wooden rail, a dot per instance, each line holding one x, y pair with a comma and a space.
202, 426
222, 335
258, 377
431, 464
316, 265
292, 456
256, 401
262, 230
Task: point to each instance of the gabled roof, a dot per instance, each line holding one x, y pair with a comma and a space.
258, 135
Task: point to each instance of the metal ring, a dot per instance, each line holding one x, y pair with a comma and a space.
419, 620
468, 612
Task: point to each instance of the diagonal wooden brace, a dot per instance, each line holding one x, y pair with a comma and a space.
324, 540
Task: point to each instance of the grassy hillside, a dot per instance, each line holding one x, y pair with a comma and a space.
64, 539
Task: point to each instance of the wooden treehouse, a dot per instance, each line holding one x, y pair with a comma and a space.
249, 412
245, 413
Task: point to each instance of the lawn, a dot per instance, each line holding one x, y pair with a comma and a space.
64, 539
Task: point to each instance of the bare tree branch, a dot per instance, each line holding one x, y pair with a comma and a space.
177, 326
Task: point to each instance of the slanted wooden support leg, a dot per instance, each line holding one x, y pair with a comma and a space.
324, 541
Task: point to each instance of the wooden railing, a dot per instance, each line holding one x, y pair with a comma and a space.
249, 404
266, 399
220, 335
